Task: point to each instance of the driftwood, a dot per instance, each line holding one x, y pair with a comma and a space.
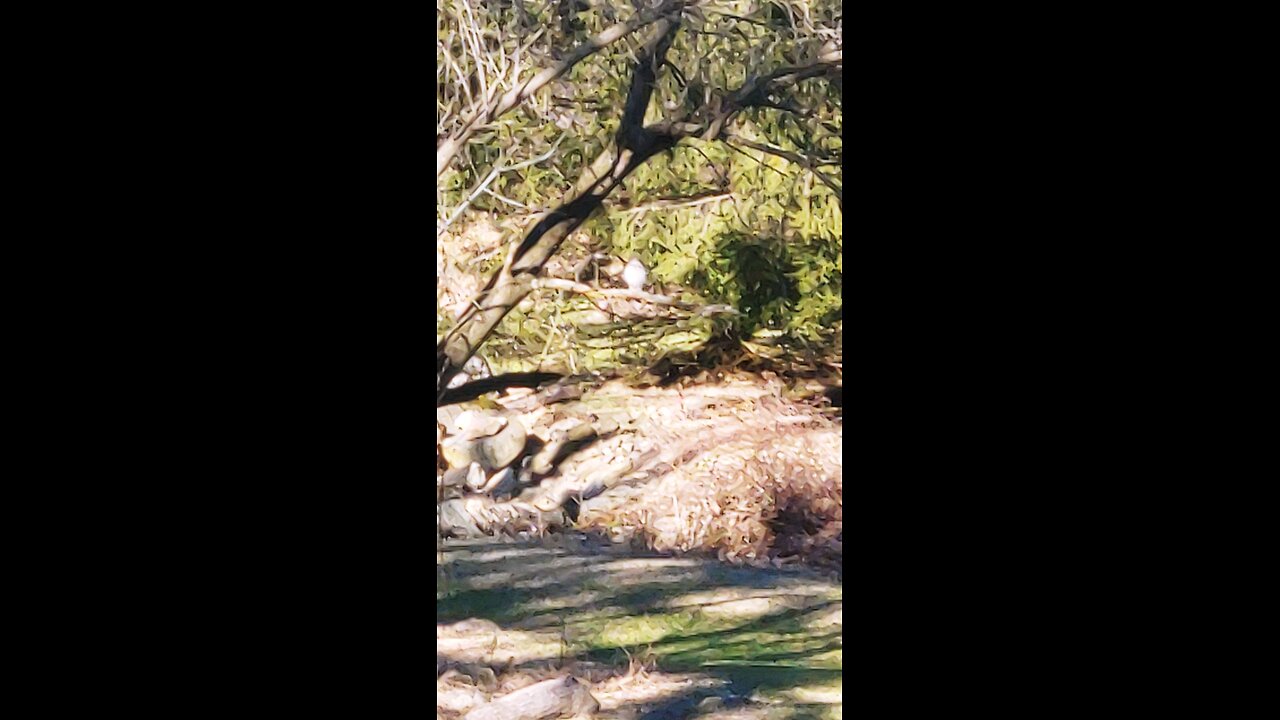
559, 697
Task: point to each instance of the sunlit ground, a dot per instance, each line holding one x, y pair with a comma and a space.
656, 637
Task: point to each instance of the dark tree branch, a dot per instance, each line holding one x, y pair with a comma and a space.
754, 92
633, 145
498, 106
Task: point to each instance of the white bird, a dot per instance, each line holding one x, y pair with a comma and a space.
635, 274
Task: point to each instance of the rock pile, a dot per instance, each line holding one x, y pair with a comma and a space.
729, 466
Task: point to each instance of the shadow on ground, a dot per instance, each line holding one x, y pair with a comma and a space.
767, 643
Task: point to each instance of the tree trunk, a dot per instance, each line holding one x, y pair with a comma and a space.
632, 146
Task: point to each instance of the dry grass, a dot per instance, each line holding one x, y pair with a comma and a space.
765, 498
458, 252
730, 467
724, 464
462, 688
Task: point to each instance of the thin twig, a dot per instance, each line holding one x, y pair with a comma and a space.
448, 147
677, 203
483, 187
793, 157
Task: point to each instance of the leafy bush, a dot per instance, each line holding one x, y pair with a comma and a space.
721, 224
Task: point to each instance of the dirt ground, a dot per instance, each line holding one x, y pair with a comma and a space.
699, 578
652, 637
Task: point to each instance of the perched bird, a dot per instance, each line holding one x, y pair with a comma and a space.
635, 274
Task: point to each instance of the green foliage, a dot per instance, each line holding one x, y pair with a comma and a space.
757, 231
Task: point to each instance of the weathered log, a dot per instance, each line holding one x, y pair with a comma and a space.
558, 697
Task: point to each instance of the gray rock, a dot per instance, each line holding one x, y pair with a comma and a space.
476, 367
448, 416
493, 453
475, 476
501, 483
455, 520
455, 477
544, 461
474, 424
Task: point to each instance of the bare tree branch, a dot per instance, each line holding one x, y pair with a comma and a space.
752, 93
793, 157
633, 145
584, 289
495, 108
642, 296
483, 186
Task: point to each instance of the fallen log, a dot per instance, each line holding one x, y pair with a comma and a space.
558, 697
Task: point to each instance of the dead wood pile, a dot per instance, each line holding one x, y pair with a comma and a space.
729, 465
